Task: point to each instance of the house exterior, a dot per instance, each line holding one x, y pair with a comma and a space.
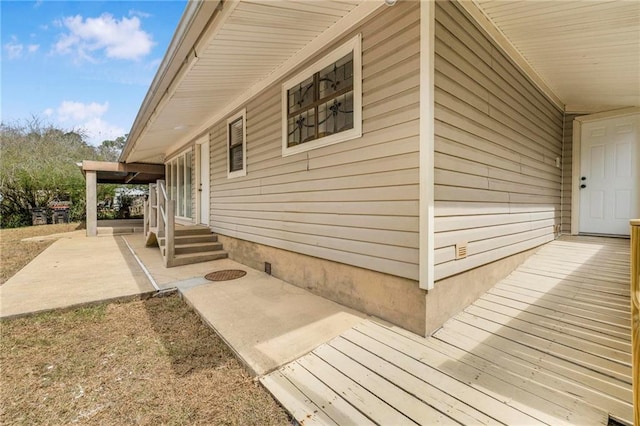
397, 157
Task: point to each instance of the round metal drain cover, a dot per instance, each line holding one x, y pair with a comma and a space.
225, 275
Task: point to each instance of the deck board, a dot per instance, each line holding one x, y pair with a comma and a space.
549, 344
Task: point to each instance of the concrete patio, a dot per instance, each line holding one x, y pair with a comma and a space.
74, 271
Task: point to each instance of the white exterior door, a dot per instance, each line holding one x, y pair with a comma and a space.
609, 175
203, 183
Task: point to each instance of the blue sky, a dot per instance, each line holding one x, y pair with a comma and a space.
82, 64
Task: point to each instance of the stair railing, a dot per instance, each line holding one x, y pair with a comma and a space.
159, 220
166, 222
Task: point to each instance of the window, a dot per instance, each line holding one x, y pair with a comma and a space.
323, 104
179, 183
237, 145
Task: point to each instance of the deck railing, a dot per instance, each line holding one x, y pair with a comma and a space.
635, 315
159, 220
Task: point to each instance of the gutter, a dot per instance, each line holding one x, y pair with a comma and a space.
195, 19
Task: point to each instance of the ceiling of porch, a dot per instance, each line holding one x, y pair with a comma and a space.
587, 52
252, 40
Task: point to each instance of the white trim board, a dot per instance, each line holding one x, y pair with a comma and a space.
427, 225
575, 157
198, 158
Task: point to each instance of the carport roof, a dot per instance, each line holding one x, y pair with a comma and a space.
123, 173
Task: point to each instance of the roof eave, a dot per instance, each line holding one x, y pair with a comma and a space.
194, 20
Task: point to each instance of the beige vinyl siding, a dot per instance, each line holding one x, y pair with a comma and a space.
354, 202
567, 170
497, 138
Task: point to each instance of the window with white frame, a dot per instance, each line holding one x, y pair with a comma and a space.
323, 104
237, 145
178, 176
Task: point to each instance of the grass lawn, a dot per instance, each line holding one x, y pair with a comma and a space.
143, 362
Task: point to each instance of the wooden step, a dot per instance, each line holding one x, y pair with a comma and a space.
191, 258
182, 231
193, 239
193, 248
190, 239
197, 248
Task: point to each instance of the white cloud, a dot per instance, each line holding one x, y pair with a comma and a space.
86, 117
13, 48
76, 111
118, 39
141, 14
99, 130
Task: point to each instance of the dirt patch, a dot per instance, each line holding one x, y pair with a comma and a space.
143, 362
15, 253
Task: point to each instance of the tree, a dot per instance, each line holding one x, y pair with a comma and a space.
37, 166
109, 150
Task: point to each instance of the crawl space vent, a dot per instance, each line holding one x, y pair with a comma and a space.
461, 250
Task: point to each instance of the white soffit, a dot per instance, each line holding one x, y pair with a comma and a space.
255, 40
587, 52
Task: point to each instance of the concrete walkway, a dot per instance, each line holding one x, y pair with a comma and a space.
264, 320
74, 271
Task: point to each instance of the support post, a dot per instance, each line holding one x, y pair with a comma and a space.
145, 222
160, 203
92, 203
153, 206
169, 233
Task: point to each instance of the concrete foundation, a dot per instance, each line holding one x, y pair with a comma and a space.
451, 295
397, 300
394, 299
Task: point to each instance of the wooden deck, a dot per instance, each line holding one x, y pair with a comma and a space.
550, 344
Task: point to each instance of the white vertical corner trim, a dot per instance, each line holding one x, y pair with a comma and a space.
426, 227
197, 164
478, 15
575, 157
243, 172
575, 176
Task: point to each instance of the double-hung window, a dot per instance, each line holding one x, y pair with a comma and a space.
323, 104
237, 145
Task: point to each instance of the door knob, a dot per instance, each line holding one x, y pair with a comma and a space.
583, 186
583, 178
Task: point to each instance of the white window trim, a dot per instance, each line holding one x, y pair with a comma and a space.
167, 164
243, 171
354, 45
